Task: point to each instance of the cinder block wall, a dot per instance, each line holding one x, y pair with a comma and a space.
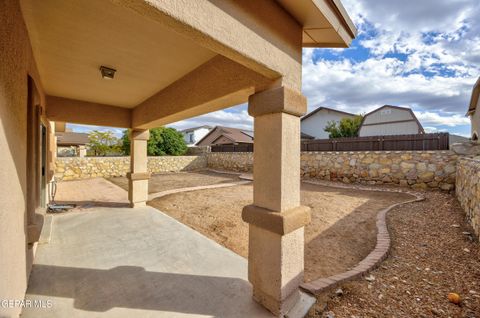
468, 190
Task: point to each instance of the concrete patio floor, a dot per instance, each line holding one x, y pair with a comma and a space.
121, 262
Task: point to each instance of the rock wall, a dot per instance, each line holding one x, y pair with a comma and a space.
415, 169
468, 190
92, 167
232, 161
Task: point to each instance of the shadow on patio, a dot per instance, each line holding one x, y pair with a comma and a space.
121, 262
133, 287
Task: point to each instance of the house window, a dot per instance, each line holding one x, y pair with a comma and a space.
384, 112
190, 138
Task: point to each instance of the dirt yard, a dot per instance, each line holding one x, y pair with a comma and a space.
169, 181
433, 253
341, 234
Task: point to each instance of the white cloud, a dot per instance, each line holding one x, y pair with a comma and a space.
236, 117
431, 118
440, 42
89, 128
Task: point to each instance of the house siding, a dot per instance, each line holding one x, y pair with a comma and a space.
316, 123
403, 128
389, 121
475, 119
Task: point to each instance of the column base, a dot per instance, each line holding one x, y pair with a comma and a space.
138, 189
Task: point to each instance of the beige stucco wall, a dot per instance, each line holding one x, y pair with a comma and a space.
468, 190
415, 169
475, 120
15, 66
91, 167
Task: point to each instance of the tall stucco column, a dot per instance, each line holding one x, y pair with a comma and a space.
276, 218
138, 175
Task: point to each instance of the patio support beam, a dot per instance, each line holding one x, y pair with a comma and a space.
81, 112
276, 219
217, 84
138, 175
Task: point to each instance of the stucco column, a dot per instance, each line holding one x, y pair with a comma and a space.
138, 175
276, 219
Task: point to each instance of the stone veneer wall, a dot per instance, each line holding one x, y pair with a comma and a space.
91, 167
468, 190
416, 169
232, 161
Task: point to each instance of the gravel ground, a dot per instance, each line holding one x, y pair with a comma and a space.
432, 255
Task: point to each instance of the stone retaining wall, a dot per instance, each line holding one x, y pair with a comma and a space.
232, 161
415, 169
468, 190
92, 167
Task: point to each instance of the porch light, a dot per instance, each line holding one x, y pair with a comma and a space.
107, 72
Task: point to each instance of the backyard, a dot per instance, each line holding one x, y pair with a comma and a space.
433, 252
341, 234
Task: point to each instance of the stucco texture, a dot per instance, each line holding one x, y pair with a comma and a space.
16, 64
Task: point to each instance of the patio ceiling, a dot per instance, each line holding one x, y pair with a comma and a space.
72, 39
173, 62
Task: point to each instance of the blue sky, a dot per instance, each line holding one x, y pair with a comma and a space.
423, 54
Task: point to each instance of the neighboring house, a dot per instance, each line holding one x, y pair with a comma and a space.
226, 136
193, 135
390, 120
71, 144
314, 123
472, 110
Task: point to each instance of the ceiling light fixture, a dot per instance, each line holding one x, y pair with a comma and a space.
107, 72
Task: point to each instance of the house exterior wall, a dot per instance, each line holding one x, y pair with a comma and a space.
196, 134
210, 138
17, 63
475, 120
315, 124
383, 119
403, 128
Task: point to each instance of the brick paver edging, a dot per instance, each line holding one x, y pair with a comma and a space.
378, 254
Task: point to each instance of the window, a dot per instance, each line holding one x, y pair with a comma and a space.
384, 112
190, 138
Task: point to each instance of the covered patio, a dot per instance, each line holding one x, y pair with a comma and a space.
141, 64
121, 262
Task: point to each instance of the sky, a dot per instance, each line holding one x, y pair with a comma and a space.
422, 54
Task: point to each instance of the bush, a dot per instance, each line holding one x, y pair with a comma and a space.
163, 142
347, 127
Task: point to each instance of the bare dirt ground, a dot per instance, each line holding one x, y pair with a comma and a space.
169, 181
432, 254
341, 234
